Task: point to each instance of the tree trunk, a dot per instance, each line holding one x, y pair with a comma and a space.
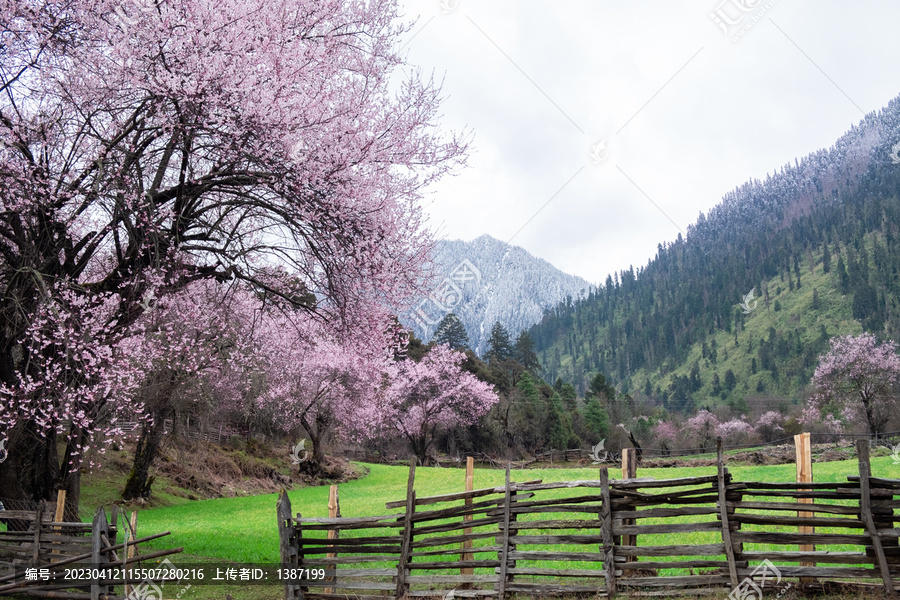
139, 481
30, 472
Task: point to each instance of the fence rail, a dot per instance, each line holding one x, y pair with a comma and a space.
581, 537
38, 541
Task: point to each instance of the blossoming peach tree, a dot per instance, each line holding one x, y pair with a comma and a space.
149, 144
855, 383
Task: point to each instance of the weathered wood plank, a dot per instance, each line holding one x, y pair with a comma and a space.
822, 556
676, 582
504, 544
455, 564
789, 538
452, 579
559, 524
665, 528
791, 571
557, 539
351, 560
658, 483
474, 550
792, 507
466, 526
607, 549
553, 588
403, 563
865, 499
723, 511
674, 550
547, 555
660, 513
545, 572
451, 539
802, 521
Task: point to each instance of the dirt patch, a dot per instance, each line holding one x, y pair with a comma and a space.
199, 470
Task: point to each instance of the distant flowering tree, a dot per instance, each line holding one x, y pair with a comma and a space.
857, 382
769, 425
324, 380
736, 431
702, 429
665, 433
432, 394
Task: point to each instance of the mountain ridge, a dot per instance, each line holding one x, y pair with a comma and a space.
486, 280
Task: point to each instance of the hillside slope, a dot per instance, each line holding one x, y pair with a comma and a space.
825, 226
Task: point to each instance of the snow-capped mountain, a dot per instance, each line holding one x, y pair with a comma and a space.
486, 280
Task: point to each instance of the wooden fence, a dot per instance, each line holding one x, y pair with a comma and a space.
581, 537
44, 543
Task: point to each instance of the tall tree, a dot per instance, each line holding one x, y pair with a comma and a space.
253, 134
499, 345
425, 397
452, 332
524, 354
857, 380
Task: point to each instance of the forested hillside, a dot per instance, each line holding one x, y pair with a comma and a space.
816, 242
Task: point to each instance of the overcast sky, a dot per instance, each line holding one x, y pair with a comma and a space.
687, 111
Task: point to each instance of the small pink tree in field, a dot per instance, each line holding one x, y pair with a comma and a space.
736, 431
702, 429
769, 425
665, 433
856, 380
434, 393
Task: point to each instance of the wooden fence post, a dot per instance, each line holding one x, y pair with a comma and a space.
403, 564
723, 512
865, 507
470, 485
629, 471
99, 527
334, 511
289, 544
608, 547
805, 475
504, 547
130, 531
60, 511
38, 520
